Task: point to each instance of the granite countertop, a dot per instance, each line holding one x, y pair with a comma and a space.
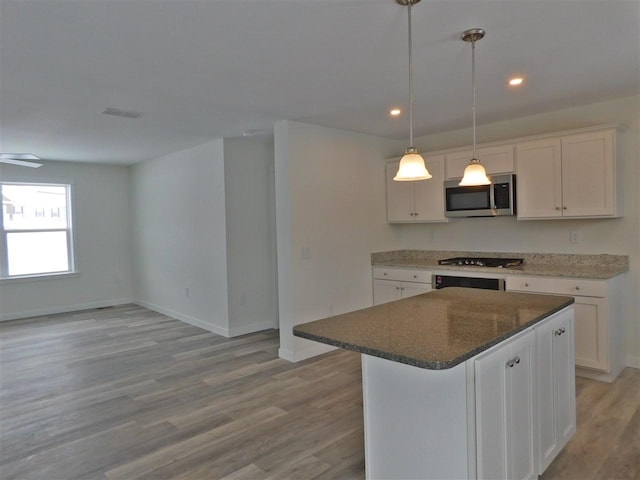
597, 267
436, 330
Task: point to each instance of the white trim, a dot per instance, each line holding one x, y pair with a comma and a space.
633, 361
196, 322
303, 354
251, 328
38, 312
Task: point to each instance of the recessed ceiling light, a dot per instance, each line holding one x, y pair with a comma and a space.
394, 112
516, 81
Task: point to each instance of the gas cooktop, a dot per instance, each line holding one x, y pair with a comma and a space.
482, 262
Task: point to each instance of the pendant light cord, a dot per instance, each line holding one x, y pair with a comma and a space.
410, 78
473, 88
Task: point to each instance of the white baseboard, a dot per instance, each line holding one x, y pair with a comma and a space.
39, 312
251, 328
302, 354
196, 322
633, 361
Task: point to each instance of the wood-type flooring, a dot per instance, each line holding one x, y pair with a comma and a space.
125, 393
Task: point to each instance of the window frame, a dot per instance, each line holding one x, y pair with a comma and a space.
69, 230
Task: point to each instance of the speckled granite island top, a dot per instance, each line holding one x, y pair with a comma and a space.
436, 330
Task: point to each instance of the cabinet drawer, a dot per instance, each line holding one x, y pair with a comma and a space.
558, 286
402, 274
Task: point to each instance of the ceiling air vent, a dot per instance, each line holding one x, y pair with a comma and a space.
116, 112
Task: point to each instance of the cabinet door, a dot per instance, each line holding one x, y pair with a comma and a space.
592, 333
385, 291
410, 289
555, 386
505, 411
495, 160
429, 194
588, 183
491, 414
539, 176
521, 457
400, 197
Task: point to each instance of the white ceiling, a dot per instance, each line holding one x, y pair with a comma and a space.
201, 70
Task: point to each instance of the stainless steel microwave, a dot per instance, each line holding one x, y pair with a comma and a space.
498, 198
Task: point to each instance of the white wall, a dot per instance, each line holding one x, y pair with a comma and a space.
613, 236
330, 213
179, 236
102, 243
251, 237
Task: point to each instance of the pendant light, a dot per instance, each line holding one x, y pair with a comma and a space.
412, 166
474, 174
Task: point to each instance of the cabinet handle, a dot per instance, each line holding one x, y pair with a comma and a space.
564, 208
557, 208
577, 287
415, 276
560, 331
526, 284
514, 361
416, 214
385, 274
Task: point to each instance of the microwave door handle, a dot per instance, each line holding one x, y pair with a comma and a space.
492, 196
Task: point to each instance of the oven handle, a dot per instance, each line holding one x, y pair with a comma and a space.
434, 282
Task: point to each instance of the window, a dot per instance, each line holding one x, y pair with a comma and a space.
36, 230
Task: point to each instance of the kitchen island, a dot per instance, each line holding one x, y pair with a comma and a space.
461, 383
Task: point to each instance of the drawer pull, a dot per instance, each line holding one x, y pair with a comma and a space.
385, 274
415, 276
560, 331
526, 284
577, 287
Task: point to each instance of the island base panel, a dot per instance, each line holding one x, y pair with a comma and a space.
417, 421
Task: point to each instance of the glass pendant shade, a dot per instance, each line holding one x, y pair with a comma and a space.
474, 174
412, 167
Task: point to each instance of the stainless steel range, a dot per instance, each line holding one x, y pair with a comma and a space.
482, 262
443, 281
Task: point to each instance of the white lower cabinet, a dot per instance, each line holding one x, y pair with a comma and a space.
599, 336
555, 386
391, 284
505, 414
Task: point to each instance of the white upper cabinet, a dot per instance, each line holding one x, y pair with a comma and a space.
498, 159
572, 176
539, 170
419, 201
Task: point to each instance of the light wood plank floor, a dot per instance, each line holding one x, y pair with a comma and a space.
126, 393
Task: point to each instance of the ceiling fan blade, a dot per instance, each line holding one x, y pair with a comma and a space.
22, 163
20, 159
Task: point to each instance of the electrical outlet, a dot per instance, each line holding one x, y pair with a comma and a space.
576, 236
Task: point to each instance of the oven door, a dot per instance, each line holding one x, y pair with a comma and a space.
444, 281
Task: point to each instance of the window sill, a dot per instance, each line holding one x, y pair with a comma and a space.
35, 278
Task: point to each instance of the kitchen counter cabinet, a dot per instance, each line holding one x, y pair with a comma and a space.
422, 359
599, 336
390, 284
505, 414
555, 387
